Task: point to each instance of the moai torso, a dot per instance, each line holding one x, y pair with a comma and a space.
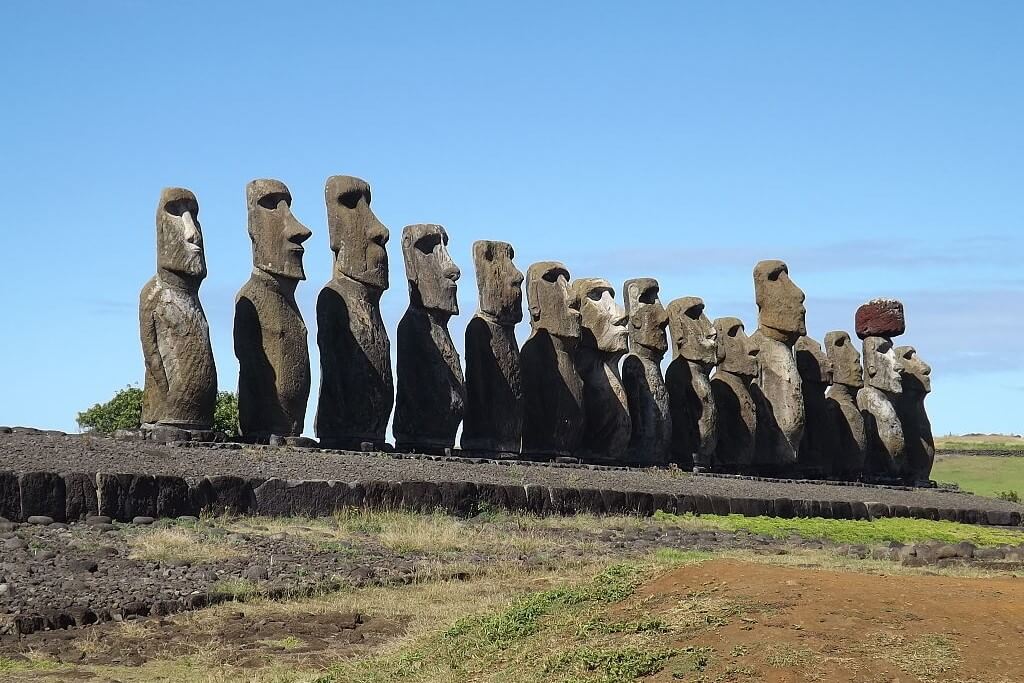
817, 447
737, 412
553, 415
886, 442
844, 416
356, 385
431, 391
917, 428
494, 392
691, 401
181, 378
270, 335
603, 341
642, 378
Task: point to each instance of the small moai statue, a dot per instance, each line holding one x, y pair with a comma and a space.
603, 342
642, 378
691, 401
817, 448
180, 392
917, 428
494, 390
845, 418
270, 335
877, 322
552, 389
777, 389
357, 391
431, 389
730, 386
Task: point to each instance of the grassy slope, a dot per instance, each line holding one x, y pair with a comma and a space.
986, 476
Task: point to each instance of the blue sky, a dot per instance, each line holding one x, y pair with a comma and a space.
874, 146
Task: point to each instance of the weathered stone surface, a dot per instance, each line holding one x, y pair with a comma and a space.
916, 383
172, 497
642, 378
42, 494
737, 413
79, 496
691, 401
777, 389
125, 496
553, 414
886, 443
225, 494
431, 390
10, 496
270, 335
817, 447
356, 385
494, 389
281, 497
181, 378
880, 318
844, 416
603, 341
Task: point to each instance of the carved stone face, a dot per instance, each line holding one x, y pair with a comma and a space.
429, 268
882, 365
276, 234
603, 320
736, 353
553, 305
811, 362
647, 317
179, 237
498, 281
846, 367
357, 238
915, 372
693, 335
780, 303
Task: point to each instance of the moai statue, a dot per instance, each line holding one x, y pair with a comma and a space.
845, 418
603, 342
737, 413
646, 394
356, 386
691, 402
777, 389
181, 380
552, 389
917, 428
431, 390
877, 322
494, 391
270, 336
817, 448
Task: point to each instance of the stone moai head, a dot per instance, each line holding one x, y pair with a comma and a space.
553, 305
693, 336
811, 361
603, 321
647, 317
498, 281
179, 237
277, 235
881, 365
780, 303
429, 268
846, 367
358, 239
736, 353
916, 374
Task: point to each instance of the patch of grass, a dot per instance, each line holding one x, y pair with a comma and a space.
927, 657
287, 643
604, 627
974, 442
238, 590
784, 656
980, 474
619, 665
180, 545
29, 663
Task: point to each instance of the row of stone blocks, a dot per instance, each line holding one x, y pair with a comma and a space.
74, 496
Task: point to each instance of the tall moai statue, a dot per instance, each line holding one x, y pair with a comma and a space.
642, 378
603, 342
691, 401
431, 390
817, 447
356, 386
270, 335
494, 392
917, 428
845, 418
181, 379
737, 413
877, 322
552, 389
777, 389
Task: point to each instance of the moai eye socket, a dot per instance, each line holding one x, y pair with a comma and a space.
428, 243
554, 274
693, 312
178, 207
350, 199
272, 200
649, 295
734, 330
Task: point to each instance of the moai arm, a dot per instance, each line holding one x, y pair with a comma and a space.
149, 336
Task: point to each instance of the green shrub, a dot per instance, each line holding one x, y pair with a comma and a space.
124, 411
1011, 496
225, 415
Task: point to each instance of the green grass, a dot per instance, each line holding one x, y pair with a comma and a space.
984, 475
